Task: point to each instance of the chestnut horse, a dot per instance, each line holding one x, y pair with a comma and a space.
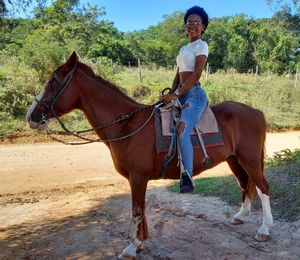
128, 130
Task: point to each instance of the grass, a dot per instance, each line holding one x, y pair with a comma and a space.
12, 126
276, 96
214, 186
282, 173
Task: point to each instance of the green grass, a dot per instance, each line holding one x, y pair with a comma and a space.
9, 126
276, 96
224, 187
283, 175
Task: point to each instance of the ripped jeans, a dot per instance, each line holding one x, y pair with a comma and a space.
193, 103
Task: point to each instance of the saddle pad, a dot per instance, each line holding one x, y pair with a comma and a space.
163, 142
206, 124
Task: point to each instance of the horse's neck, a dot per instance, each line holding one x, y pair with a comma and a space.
102, 104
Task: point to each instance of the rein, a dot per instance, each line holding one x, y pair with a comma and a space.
88, 140
50, 105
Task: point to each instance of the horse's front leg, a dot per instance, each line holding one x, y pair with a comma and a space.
138, 187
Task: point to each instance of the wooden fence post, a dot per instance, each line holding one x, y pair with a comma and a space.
256, 75
207, 70
296, 77
139, 71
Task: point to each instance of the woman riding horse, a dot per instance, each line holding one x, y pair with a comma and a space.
128, 130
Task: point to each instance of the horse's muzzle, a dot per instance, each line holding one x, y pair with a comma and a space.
37, 125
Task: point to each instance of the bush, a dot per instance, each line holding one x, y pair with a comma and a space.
18, 86
284, 157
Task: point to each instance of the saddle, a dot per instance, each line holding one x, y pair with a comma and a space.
206, 124
205, 134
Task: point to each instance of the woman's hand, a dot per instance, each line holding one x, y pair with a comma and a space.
168, 98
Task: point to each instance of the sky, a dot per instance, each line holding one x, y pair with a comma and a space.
130, 15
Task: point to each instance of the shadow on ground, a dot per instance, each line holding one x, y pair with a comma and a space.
100, 233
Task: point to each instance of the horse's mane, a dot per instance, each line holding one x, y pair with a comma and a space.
89, 72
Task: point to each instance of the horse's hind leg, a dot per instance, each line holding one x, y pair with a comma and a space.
256, 175
263, 232
243, 180
139, 223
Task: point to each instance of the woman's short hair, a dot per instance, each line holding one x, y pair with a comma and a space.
199, 11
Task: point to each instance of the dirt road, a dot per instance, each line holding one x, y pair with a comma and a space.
66, 202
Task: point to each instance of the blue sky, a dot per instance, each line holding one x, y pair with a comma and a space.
130, 15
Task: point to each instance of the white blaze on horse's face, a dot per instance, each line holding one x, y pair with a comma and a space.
33, 124
40, 125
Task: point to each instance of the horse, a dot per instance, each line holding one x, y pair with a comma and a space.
128, 130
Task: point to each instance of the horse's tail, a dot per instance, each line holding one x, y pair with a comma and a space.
251, 187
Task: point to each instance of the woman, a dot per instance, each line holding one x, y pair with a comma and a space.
190, 62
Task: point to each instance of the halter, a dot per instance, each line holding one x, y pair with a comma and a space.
49, 105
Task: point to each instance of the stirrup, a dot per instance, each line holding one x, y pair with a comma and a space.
206, 162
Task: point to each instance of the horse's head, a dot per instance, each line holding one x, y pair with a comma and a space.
56, 98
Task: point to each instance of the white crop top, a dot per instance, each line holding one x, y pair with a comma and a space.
186, 58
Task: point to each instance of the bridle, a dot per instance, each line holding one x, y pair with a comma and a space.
49, 105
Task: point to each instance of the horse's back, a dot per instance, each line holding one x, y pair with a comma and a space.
241, 113
239, 121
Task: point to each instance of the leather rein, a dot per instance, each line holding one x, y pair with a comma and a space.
49, 105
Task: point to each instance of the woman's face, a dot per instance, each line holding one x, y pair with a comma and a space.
194, 27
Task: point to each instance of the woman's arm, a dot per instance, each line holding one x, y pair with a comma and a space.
189, 82
195, 76
176, 81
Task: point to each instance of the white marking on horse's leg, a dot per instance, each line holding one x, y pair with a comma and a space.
267, 215
33, 105
239, 217
135, 245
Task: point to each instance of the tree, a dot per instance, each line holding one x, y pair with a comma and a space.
239, 53
42, 52
236, 53
276, 5
10, 7
217, 35
159, 44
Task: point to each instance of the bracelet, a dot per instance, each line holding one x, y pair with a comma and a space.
177, 93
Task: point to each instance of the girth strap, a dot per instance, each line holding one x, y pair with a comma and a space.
171, 153
173, 144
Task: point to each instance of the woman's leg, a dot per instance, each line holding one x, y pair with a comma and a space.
193, 107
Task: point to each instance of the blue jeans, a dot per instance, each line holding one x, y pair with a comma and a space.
193, 103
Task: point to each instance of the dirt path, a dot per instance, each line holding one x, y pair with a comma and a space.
63, 202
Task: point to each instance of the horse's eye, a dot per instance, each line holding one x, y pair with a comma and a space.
50, 85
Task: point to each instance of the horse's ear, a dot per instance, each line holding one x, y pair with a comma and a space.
72, 61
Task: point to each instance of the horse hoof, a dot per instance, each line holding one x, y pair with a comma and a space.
125, 257
236, 221
127, 254
140, 248
261, 237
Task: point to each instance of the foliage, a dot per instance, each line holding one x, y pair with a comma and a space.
237, 42
284, 157
16, 91
276, 96
279, 102
284, 179
31, 48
